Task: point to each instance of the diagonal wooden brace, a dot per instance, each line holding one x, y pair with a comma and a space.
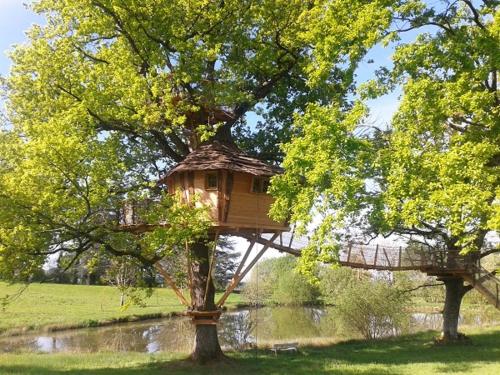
237, 278
171, 283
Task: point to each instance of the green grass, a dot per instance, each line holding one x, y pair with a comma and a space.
57, 305
414, 354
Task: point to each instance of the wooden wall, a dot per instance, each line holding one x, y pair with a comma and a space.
246, 208
233, 204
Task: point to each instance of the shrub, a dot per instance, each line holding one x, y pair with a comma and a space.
275, 281
373, 308
333, 281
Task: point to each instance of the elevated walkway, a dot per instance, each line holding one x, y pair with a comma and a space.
386, 258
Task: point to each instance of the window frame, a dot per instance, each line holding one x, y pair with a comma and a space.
262, 182
207, 176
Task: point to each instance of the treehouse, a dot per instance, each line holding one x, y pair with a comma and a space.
231, 183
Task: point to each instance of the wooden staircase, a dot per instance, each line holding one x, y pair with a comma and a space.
486, 283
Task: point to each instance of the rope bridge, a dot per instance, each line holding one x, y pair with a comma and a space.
390, 258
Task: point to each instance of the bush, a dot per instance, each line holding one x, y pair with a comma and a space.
333, 281
373, 308
275, 281
293, 289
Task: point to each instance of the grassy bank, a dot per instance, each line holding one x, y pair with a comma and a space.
55, 306
414, 354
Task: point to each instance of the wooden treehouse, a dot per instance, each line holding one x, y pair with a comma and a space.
232, 184
234, 187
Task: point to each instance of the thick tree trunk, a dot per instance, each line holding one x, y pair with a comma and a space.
206, 343
455, 290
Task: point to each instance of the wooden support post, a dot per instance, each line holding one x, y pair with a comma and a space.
291, 237
171, 283
386, 257
399, 262
362, 255
349, 252
234, 283
376, 255
210, 268
244, 259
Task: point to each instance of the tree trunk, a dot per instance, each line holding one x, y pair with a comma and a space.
455, 290
206, 343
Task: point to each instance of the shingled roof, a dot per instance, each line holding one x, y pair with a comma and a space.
216, 155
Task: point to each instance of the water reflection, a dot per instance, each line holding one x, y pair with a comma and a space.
237, 330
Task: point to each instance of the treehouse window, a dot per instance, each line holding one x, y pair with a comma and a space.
211, 182
260, 185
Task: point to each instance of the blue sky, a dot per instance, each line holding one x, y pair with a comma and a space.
15, 19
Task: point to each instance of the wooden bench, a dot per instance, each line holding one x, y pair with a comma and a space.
286, 347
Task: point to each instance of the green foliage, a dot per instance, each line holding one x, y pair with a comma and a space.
333, 281
275, 281
108, 94
293, 289
127, 275
435, 172
373, 308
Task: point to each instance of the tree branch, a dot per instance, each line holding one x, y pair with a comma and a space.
475, 13
421, 286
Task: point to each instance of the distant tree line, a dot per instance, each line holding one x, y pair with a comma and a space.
96, 267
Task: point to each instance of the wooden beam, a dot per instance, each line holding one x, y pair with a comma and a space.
244, 259
386, 257
234, 283
285, 249
376, 255
171, 283
210, 268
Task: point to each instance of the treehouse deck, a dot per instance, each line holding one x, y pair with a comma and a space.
385, 258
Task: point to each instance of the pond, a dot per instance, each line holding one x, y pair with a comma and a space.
237, 329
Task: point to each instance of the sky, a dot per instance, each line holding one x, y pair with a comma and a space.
16, 19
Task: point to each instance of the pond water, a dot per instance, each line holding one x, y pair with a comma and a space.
237, 330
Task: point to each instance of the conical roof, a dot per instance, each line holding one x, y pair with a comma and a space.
217, 155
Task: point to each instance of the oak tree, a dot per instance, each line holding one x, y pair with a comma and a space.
109, 94
433, 175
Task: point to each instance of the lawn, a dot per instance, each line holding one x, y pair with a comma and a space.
58, 305
413, 354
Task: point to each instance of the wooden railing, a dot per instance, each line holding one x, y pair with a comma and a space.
425, 259
380, 257
486, 283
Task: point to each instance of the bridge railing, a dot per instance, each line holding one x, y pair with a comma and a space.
400, 258
487, 283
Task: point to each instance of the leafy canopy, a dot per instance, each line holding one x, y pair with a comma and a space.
433, 174
109, 94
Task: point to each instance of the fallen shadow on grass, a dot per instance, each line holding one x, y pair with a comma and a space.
353, 357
